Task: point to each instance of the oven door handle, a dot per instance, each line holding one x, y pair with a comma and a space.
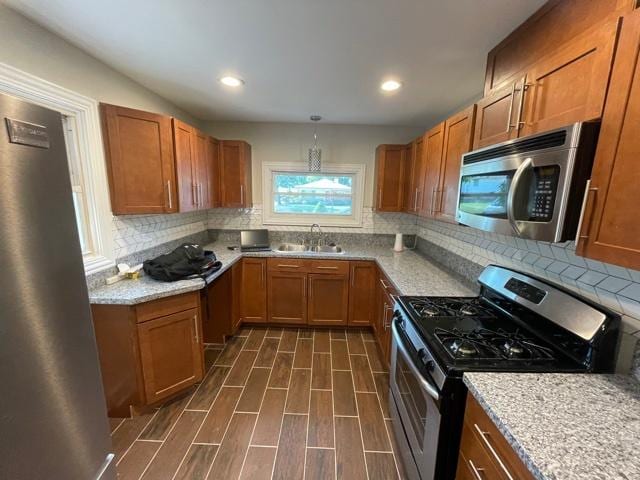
424, 383
511, 215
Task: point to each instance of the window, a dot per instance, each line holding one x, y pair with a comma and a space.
294, 196
86, 159
78, 190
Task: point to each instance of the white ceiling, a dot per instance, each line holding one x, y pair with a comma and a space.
298, 57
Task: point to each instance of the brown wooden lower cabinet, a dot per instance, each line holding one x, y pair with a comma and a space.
484, 452
253, 290
328, 302
384, 312
148, 352
287, 297
362, 293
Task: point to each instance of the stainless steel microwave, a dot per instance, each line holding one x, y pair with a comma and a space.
531, 187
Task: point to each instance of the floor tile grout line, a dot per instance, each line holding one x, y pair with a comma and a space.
333, 414
286, 397
211, 406
364, 457
117, 427
137, 437
395, 458
264, 394
379, 400
306, 435
213, 401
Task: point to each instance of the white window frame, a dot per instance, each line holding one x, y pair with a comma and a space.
269, 217
85, 114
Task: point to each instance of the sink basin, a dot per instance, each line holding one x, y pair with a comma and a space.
327, 249
293, 247
297, 247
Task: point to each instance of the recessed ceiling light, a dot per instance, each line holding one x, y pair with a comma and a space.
390, 85
230, 81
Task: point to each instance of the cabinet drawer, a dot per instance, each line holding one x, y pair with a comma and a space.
387, 286
329, 266
474, 461
489, 438
287, 264
166, 306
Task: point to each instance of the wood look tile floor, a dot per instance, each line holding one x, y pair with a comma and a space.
275, 403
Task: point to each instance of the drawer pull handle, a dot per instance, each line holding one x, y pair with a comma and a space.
483, 436
327, 268
477, 472
384, 284
286, 265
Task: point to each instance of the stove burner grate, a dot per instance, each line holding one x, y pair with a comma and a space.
484, 344
450, 307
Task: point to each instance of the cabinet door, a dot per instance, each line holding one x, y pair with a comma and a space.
408, 157
140, 163
570, 85
253, 292
416, 184
185, 152
362, 293
498, 115
213, 168
236, 297
236, 174
458, 132
171, 354
201, 168
433, 146
287, 297
389, 173
610, 229
328, 302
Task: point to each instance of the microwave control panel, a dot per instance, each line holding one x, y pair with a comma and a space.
542, 198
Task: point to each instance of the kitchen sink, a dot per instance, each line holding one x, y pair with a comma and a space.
298, 247
327, 249
292, 247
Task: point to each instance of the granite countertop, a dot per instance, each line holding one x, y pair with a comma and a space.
410, 272
566, 426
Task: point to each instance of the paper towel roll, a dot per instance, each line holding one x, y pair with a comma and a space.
399, 245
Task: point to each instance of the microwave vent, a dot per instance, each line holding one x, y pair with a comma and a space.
530, 144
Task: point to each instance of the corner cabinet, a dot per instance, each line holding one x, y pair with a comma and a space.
235, 174
148, 352
610, 230
389, 178
140, 163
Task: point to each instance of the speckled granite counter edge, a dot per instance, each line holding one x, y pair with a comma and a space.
176, 288
511, 440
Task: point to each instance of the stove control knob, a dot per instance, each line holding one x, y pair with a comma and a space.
427, 363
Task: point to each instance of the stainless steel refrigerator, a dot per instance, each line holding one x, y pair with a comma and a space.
53, 420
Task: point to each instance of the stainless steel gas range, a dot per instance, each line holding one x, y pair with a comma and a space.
518, 323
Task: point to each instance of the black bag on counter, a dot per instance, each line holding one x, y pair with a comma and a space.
189, 260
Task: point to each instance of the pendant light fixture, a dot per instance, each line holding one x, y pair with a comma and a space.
315, 153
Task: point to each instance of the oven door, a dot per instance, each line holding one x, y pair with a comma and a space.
417, 403
518, 195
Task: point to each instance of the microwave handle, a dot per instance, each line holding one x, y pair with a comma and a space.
511, 215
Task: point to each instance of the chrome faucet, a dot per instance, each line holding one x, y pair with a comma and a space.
319, 241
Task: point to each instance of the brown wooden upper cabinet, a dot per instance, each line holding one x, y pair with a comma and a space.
389, 178
415, 167
498, 115
253, 291
610, 229
235, 174
140, 163
458, 134
189, 155
213, 164
433, 145
555, 24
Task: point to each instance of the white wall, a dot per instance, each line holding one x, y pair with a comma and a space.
288, 142
35, 50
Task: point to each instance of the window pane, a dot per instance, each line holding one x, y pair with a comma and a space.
324, 194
